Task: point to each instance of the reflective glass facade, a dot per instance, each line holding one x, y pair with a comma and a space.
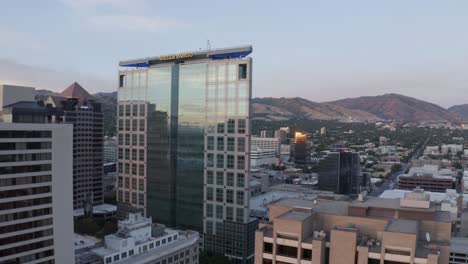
194, 158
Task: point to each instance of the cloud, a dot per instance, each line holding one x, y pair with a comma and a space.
119, 15
18, 39
13, 72
131, 23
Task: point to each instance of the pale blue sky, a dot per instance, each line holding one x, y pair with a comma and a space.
320, 50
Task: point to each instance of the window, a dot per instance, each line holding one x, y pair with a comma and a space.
141, 170
127, 124
141, 185
267, 247
210, 160
124, 255
131, 252
230, 162
134, 198
134, 169
219, 195
121, 110
127, 154
127, 110
151, 245
219, 212
135, 110
220, 143
306, 254
209, 177
231, 126
134, 154
109, 260
241, 144
229, 213
220, 161
230, 179
230, 144
142, 125
120, 153
121, 80
239, 215
141, 154
141, 199
210, 145
240, 162
219, 178
142, 140
229, 196
240, 180
220, 127
241, 125
209, 227
121, 126
240, 197
116, 257
134, 125
127, 139
142, 110
209, 210
127, 166
242, 71
127, 182
134, 140
209, 194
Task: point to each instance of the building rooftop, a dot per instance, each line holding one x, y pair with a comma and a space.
230, 52
459, 244
75, 90
294, 215
402, 226
319, 206
97, 209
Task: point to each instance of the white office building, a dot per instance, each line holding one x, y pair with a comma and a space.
36, 193
138, 241
264, 151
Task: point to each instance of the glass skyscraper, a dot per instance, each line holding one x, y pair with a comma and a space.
184, 134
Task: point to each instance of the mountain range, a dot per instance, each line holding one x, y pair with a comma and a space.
392, 106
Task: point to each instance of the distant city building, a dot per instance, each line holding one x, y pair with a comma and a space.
373, 231
451, 148
264, 151
427, 177
449, 201
184, 145
323, 131
387, 150
300, 148
340, 172
263, 134
110, 150
36, 193
383, 140
10, 94
282, 134
431, 150
139, 241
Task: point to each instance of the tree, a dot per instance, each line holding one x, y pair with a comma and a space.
396, 168
457, 165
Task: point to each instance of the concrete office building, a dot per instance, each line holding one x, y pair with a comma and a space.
184, 145
374, 231
10, 94
36, 213
139, 241
427, 177
340, 172
110, 150
77, 107
264, 151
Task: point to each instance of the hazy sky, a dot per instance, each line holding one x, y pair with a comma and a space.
319, 50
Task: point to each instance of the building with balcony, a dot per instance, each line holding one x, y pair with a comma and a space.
371, 230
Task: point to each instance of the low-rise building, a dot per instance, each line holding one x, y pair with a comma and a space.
138, 241
427, 177
373, 230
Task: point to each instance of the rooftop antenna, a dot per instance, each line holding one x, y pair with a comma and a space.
208, 45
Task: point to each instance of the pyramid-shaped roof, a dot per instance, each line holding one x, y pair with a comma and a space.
75, 90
